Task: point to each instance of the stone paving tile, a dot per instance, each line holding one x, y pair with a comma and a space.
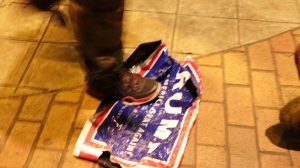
275, 161
35, 107
289, 93
210, 124
7, 91
54, 63
297, 40
295, 155
211, 157
287, 74
22, 21
267, 118
260, 56
189, 156
71, 96
242, 147
15, 56
57, 32
240, 113
87, 109
28, 91
163, 24
40, 157
249, 29
70, 161
18, 144
210, 60
213, 89
271, 10
236, 68
241, 49
8, 111
214, 59
221, 8
189, 36
57, 126
296, 32
265, 89
199, 35
168, 6
283, 43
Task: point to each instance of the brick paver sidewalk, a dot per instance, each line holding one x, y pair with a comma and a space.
40, 122
244, 90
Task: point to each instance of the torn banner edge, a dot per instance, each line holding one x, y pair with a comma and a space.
91, 149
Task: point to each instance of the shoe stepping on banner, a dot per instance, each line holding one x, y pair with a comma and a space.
153, 134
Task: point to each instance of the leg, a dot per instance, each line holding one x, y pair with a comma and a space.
98, 27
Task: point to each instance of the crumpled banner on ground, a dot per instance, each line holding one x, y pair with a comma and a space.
153, 134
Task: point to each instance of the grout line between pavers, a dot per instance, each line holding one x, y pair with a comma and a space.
174, 26
212, 101
148, 11
13, 122
290, 86
49, 149
298, 8
225, 109
36, 140
195, 138
238, 85
238, 21
19, 39
275, 153
45, 92
278, 85
29, 120
34, 52
263, 70
253, 106
214, 66
211, 145
267, 107
214, 17
241, 126
187, 166
71, 132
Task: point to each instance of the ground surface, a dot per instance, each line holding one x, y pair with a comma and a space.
247, 67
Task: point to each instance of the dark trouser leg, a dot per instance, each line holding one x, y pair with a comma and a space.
98, 27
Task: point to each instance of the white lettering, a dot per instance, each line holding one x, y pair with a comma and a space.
173, 110
152, 146
183, 77
162, 131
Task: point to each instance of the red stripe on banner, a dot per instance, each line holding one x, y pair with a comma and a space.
183, 132
94, 126
88, 156
194, 67
153, 60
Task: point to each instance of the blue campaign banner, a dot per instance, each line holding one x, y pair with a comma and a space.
153, 134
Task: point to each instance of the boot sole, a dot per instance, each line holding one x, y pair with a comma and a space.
129, 100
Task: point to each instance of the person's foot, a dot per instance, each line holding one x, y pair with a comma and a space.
135, 90
129, 88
